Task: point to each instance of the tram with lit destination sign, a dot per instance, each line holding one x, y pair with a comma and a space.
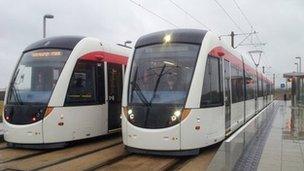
184, 89
64, 89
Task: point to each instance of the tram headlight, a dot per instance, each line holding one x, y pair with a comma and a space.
175, 115
131, 116
6, 114
167, 38
173, 118
180, 115
130, 111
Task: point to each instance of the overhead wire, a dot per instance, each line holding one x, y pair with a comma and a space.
246, 18
229, 16
189, 14
251, 26
153, 13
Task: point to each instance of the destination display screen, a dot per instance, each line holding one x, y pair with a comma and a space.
47, 53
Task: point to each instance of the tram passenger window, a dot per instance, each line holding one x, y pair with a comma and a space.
212, 95
237, 84
83, 85
234, 85
249, 87
265, 88
241, 85
260, 91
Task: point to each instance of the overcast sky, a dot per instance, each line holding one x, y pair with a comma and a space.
280, 24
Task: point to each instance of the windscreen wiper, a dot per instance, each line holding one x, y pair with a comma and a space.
157, 83
13, 88
139, 93
138, 90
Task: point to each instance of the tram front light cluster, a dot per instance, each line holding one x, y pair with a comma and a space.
6, 114
128, 113
175, 115
7, 118
180, 115
38, 116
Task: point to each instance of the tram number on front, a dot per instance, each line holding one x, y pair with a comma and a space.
111, 98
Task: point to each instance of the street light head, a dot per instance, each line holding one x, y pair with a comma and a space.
48, 16
128, 42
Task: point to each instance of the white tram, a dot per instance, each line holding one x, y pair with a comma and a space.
64, 89
184, 90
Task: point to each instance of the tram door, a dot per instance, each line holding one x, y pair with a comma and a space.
114, 95
227, 99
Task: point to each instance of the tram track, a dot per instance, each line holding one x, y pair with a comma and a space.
54, 157
107, 154
89, 160
141, 162
3, 146
8, 155
109, 162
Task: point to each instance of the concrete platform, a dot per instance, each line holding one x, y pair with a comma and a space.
274, 140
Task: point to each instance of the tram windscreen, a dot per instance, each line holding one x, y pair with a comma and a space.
162, 73
36, 76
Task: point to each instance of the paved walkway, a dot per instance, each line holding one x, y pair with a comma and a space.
284, 149
272, 141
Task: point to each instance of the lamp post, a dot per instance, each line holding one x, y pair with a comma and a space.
46, 16
296, 63
300, 63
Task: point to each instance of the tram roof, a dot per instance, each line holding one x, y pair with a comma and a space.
62, 42
194, 36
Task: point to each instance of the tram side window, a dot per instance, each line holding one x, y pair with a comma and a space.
212, 94
260, 92
249, 87
265, 88
271, 89
255, 84
83, 85
237, 84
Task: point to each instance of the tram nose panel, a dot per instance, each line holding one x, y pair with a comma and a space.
23, 134
150, 139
